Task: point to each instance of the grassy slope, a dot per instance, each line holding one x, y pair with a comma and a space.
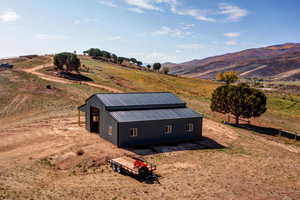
283, 111
24, 97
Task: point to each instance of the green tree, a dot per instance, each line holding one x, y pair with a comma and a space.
70, 60
139, 63
148, 66
227, 77
60, 59
94, 52
105, 54
240, 101
121, 60
133, 60
115, 58
156, 66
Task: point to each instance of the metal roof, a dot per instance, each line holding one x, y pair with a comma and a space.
151, 115
152, 100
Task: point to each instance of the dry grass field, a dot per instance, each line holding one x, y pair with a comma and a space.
41, 140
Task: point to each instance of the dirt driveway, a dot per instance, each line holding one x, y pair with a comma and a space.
35, 71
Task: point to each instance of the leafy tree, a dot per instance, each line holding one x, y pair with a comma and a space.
115, 58
240, 101
60, 59
227, 77
148, 66
121, 60
133, 60
139, 63
156, 66
165, 70
106, 54
70, 60
94, 52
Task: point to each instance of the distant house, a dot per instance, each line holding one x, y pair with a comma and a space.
137, 119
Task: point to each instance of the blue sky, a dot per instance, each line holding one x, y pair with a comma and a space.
150, 30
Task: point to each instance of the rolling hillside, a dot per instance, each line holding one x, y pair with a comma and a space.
279, 62
40, 141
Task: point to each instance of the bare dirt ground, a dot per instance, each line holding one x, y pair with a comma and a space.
35, 71
43, 160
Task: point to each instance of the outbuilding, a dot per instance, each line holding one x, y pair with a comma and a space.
138, 119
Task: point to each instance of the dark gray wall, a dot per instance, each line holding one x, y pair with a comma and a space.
105, 121
152, 132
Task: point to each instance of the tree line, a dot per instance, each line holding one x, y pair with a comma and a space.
103, 55
96, 53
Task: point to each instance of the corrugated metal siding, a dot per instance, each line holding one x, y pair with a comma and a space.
152, 115
152, 132
139, 99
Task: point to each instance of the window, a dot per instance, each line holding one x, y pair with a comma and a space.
168, 129
110, 130
95, 118
189, 127
133, 132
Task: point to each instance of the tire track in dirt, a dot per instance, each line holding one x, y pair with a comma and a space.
14, 104
34, 70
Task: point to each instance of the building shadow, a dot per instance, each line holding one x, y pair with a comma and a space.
267, 131
200, 144
74, 77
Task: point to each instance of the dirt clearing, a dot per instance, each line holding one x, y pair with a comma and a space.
56, 159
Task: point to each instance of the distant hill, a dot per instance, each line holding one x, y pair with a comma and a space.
278, 62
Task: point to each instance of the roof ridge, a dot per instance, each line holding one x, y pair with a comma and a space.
135, 93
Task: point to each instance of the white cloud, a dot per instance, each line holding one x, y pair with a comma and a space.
194, 46
112, 38
85, 20
188, 26
136, 10
164, 30
196, 13
8, 16
143, 4
51, 37
232, 34
234, 13
77, 21
231, 43
109, 3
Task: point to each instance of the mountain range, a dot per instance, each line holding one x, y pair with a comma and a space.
278, 62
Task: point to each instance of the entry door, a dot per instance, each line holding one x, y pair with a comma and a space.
95, 119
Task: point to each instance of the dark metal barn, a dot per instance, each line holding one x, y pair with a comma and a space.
137, 119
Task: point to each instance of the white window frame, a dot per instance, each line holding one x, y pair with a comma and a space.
189, 127
168, 129
133, 132
110, 130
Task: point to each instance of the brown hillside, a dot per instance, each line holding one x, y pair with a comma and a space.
267, 62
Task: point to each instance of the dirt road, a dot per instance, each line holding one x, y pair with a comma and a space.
35, 71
